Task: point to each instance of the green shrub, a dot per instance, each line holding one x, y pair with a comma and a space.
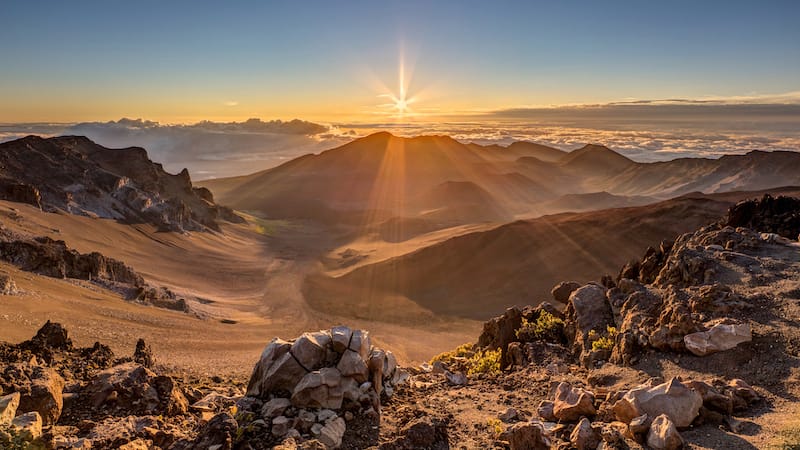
604, 342
495, 426
462, 351
487, 361
547, 327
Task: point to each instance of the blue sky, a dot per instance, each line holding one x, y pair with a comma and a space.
185, 61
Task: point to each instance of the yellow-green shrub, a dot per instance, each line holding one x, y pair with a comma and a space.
547, 327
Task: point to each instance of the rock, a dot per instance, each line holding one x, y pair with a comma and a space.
663, 434
360, 343
743, 391
423, 432
28, 425
137, 444
719, 338
639, 425
587, 311
516, 355
305, 420
508, 415
8, 407
545, 411
310, 350
7, 285
563, 290
52, 335
280, 426
583, 436
44, 395
219, 433
500, 331
527, 436
455, 379
672, 398
571, 404
351, 365
319, 389
331, 434
136, 390
275, 407
341, 338
143, 354
275, 370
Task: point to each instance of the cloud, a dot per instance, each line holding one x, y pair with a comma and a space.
649, 133
231, 103
213, 149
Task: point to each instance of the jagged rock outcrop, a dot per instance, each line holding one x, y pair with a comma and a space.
53, 258
779, 215
73, 174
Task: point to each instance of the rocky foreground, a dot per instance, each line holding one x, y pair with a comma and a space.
692, 346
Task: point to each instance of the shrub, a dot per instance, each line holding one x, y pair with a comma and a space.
604, 342
462, 351
547, 327
487, 361
495, 426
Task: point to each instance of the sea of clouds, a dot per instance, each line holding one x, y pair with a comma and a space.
642, 132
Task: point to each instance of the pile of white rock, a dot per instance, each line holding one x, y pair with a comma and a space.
308, 387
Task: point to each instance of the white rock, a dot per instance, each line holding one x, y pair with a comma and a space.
672, 398
719, 338
663, 435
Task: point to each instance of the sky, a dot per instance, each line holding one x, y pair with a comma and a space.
181, 62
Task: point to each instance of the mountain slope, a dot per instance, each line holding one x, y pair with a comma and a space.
381, 174
479, 274
75, 175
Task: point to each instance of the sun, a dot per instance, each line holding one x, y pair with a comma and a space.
401, 104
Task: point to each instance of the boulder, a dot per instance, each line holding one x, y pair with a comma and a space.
44, 395
360, 343
587, 311
134, 389
310, 349
563, 290
341, 338
545, 411
280, 426
143, 354
678, 402
719, 338
584, 437
276, 370
423, 432
500, 331
275, 407
8, 407
663, 435
352, 365
571, 403
331, 434
28, 426
319, 389
455, 378
527, 436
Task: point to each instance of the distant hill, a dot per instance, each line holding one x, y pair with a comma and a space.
383, 176
75, 175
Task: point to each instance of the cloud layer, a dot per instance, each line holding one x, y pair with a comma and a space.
642, 131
